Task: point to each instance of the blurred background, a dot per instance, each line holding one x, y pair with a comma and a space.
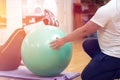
70, 14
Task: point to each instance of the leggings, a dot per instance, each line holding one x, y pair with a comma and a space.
101, 66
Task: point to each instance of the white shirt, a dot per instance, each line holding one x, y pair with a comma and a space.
108, 17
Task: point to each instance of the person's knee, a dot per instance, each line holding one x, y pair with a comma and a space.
89, 44
84, 45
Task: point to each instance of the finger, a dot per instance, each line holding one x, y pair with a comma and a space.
55, 46
53, 43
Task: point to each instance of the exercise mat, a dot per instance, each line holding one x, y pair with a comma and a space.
23, 73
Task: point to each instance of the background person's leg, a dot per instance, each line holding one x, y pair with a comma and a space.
10, 52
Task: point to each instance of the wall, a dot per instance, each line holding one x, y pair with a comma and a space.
13, 14
65, 15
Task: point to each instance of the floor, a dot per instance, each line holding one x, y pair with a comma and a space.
79, 59
78, 62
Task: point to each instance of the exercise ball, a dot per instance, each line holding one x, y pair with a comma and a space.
39, 57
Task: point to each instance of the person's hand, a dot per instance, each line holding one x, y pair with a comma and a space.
56, 44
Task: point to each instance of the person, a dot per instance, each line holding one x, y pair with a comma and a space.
105, 50
10, 51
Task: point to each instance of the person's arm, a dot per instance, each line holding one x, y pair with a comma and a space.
89, 28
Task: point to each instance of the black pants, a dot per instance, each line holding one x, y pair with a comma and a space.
101, 66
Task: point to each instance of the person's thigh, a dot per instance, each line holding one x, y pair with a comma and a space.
101, 67
91, 47
10, 52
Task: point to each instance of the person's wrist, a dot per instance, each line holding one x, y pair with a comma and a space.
64, 40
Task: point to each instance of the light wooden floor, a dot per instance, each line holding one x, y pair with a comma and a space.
79, 58
78, 62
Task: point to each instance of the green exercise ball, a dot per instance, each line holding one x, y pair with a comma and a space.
39, 57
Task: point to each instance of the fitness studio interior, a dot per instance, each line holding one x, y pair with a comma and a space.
28, 26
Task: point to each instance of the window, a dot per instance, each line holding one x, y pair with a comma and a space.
2, 13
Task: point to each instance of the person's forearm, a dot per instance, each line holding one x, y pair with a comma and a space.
81, 32
77, 34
